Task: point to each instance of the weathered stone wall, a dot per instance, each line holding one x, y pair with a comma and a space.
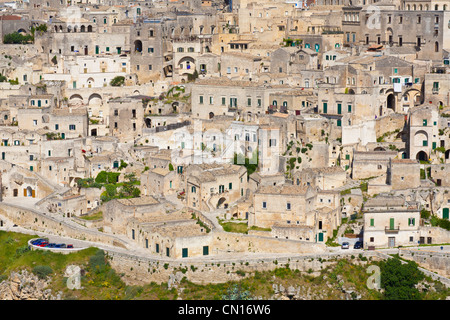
38, 221
436, 261
140, 271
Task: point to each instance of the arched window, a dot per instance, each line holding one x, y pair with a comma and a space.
436, 46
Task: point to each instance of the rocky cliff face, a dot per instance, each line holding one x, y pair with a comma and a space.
26, 286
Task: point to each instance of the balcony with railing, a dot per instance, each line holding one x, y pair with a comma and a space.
391, 230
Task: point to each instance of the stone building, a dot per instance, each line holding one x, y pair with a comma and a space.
159, 181
398, 28
126, 118
371, 163
295, 212
423, 132
390, 222
326, 178
211, 186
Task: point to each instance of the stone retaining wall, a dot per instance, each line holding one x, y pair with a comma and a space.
439, 262
38, 221
139, 271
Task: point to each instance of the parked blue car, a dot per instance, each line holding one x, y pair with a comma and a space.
60, 245
38, 241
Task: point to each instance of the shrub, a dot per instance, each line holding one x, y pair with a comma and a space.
97, 262
123, 165
240, 272
42, 271
425, 214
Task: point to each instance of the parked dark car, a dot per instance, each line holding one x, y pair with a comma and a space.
37, 241
60, 245
358, 245
70, 246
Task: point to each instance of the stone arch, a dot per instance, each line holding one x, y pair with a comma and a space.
89, 28
422, 156
379, 149
419, 137
29, 191
189, 63
221, 201
138, 46
22, 31
95, 99
83, 28
390, 101
90, 82
76, 99
211, 115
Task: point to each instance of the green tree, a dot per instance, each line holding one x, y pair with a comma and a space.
399, 280
17, 38
117, 81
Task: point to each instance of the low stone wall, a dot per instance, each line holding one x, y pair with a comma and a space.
140, 271
38, 221
202, 218
439, 262
225, 242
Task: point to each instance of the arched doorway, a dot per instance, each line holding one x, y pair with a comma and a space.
211, 115
390, 101
220, 202
138, 46
94, 132
447, 154
29, 192
422, 156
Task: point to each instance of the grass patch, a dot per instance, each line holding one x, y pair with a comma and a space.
238, 227
95, 216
